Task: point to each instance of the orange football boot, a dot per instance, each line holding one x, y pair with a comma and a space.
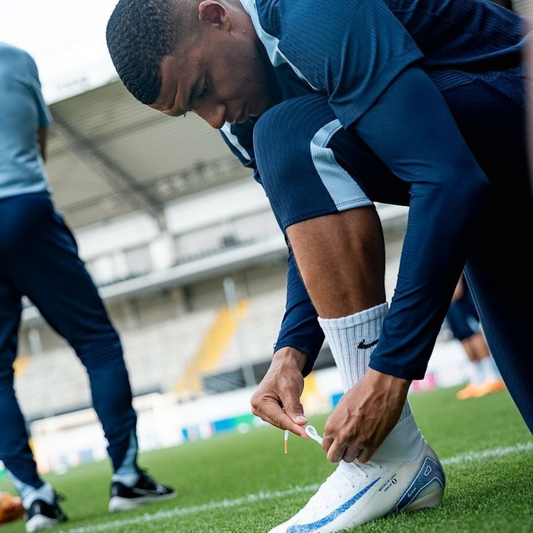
470, 391
488, 387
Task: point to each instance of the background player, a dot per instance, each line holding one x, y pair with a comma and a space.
463, 321
39, 259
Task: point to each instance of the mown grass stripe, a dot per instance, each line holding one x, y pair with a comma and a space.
270, 495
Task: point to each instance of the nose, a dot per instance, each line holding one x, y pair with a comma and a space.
214, 114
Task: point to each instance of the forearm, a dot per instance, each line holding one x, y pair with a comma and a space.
300, 329
411, 129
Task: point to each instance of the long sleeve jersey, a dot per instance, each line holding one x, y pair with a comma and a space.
352, 52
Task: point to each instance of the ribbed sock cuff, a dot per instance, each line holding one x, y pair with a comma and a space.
352, 340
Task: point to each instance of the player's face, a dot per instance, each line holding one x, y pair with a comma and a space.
224, 76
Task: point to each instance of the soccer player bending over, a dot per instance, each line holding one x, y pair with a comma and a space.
337, 105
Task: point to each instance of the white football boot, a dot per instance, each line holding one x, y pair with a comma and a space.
358, 493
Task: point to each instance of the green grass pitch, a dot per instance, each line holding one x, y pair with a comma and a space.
244, 483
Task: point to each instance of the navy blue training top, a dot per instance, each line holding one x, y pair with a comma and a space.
352, 52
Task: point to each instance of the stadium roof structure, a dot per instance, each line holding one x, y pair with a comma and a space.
108, 156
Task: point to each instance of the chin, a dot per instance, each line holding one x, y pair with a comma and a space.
260, 109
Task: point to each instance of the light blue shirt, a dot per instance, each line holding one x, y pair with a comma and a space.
23, 112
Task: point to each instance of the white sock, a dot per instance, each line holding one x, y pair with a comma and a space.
352, 340
45, 493
477, 376
489, 369
29, 493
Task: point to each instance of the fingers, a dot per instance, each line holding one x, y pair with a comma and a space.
365, 455
296, 413
277, 399
275, 415
337, 450
348, 451
364, 417
271, 410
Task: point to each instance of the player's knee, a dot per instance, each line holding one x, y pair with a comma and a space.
278, 148
283, 137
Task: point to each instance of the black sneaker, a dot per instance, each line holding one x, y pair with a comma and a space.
146, 490
42, 515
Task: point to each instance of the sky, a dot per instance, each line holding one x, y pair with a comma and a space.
65, 37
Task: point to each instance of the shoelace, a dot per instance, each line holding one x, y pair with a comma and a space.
333, 479
313, 434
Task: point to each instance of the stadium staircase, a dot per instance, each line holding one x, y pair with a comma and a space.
209, 354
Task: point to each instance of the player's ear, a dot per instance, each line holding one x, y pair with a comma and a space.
214, 14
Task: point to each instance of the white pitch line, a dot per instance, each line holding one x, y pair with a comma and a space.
271, 495
495, 452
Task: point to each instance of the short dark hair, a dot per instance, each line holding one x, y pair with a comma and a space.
139, 34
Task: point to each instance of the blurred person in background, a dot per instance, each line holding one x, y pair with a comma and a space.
463, 321
39, 259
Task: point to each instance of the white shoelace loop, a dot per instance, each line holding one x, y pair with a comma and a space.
313, 434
